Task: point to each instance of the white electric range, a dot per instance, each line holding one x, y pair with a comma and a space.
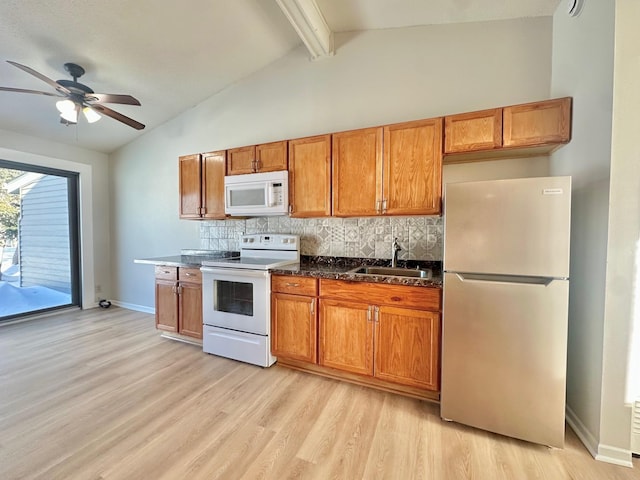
236, 297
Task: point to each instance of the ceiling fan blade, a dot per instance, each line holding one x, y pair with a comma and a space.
53, 83
22, 90
112, 98
117, 116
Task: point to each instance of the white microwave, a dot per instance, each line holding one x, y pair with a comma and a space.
257, 194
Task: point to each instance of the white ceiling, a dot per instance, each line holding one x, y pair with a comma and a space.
172, 55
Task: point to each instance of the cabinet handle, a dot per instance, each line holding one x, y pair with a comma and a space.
173, 289
166, 271
312, 306
189, 274
376, 312
290, 209
179, 289
384, 206
369, 313
290, 284
378, 202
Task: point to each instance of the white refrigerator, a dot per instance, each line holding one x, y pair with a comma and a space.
505, 306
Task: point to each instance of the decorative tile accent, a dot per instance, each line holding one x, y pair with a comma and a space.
366, 237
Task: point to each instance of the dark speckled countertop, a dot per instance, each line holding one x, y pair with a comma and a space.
187, 258
337, 268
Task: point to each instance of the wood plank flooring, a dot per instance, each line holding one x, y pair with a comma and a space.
100, 395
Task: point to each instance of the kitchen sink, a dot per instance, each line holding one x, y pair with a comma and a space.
396, 272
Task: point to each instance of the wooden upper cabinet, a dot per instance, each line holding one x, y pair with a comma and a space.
357, 172
537, 123
190, 186
267, 157
412, 174
271, 157
473, 131
241, 160
310, 176
213, 171
201, 179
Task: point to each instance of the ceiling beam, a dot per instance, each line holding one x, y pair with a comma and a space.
308, 22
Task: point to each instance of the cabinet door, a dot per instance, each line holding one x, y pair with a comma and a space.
190, 184
271, 157
407, 347
190, 309
346, 336
537, 123
357, 172
473, 131
293, 327
310, 176
213, 171
166, 306
412, 175
241, 160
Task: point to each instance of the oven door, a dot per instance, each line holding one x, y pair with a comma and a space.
237, 299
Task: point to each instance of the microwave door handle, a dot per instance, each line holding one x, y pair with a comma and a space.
270, 194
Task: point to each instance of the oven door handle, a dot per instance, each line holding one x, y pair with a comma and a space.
233, 273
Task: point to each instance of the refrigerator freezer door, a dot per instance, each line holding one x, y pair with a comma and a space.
510, 227
504, 356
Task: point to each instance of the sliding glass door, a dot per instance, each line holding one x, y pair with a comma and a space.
39, 247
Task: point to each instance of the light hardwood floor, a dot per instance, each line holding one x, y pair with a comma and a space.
100, 395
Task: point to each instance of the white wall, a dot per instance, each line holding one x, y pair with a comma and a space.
375, 78
624, 229
94, 204
583, 55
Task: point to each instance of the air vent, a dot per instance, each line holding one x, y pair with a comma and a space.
635, 428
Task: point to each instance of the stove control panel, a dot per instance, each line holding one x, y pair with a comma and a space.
270, 241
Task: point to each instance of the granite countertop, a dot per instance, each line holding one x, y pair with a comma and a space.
187, 258
337, 268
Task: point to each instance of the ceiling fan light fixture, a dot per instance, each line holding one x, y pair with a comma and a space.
91, 115
70, 116
66, 105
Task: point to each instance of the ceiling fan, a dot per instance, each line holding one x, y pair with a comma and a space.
79, 97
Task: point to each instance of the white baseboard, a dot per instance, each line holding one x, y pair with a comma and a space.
602, 453
585, 436
133, 306
615, 455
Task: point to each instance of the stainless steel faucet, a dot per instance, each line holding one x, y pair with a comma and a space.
395, 248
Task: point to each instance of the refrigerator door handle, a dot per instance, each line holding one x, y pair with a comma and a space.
483, 277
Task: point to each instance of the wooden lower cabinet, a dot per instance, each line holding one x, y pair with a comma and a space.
407, 347
346, 336
179, 301
380, 335
294, 318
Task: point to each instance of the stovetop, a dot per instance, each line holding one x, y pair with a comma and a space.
262, 252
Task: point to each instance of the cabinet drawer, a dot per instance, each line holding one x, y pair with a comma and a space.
166, 273
294, 285
423, 298
193, 275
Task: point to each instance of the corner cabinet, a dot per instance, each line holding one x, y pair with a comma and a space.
268, 157
294, 318
201, 179
310, 176
179, 300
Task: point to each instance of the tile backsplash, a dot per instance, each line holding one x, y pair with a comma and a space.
371, 237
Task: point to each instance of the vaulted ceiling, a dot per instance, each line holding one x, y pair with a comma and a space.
173, 55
